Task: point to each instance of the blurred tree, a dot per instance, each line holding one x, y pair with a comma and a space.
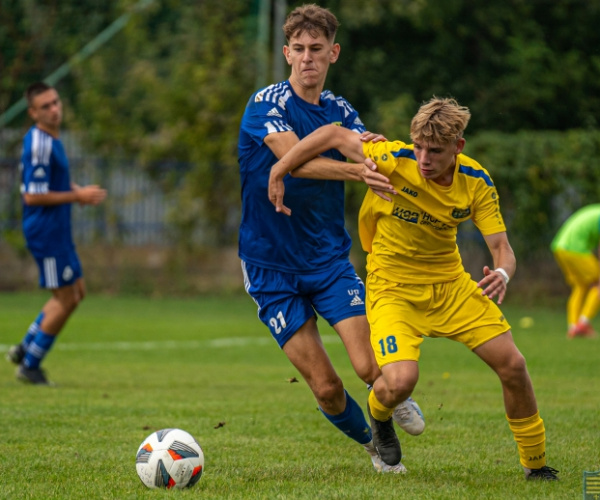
172, 89
38, 37
518, 64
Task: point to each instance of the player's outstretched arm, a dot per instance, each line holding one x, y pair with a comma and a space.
334, 170
326, 168
87, 195
323, 139
320, 167
495, 280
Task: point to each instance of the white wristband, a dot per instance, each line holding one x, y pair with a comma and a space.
503, 273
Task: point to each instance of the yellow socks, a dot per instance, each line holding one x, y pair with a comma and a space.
530, 436
379, 411
591, 304
575, 303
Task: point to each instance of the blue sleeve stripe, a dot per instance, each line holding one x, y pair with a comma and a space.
480, 174
404, 153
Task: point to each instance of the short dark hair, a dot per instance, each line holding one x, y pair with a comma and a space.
312, 19
35, 89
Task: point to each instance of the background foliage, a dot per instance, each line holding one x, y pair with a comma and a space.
518, 64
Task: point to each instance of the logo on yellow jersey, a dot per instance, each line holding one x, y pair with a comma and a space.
430, 220
410, 192
406, 215
461, 213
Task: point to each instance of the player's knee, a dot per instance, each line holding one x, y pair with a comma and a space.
70, 302
80, 290
77, 300
514, 370
329, 392
401, 392
368, 373
401, 388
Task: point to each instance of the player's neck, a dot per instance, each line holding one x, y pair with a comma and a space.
447, 177
310, 94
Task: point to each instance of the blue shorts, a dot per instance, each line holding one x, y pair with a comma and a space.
59, 270
286, 301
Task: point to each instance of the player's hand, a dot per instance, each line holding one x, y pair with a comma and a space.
493, 284
276, 192
377, 182
372, 137
90, 195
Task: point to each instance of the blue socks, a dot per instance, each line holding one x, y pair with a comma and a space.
37, 350
32, 331
351, 421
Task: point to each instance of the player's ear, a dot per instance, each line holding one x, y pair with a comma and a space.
335, 52
460, 145
287, 54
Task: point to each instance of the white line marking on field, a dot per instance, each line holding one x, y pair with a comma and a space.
170, 344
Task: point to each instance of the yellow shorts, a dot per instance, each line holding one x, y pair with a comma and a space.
400, 314
578, 268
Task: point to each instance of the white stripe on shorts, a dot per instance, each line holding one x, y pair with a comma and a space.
247, 285
50, 274
246, 280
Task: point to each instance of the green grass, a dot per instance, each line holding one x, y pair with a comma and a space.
126, 366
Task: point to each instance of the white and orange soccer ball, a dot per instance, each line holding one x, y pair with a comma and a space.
169, 458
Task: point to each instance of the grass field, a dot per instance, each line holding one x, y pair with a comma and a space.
126, 366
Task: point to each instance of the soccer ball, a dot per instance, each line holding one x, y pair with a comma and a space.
169, 458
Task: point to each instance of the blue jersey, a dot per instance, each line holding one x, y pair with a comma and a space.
44, 167
314, 236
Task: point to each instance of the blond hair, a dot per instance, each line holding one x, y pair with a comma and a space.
439, 121
312, 19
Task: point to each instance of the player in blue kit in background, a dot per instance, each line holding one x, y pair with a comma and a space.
48, 193
297, 267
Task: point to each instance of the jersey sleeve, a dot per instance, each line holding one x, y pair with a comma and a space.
264, 117
486, 215
386, 154
35, 163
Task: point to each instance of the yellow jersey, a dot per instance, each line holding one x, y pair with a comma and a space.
413, 238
